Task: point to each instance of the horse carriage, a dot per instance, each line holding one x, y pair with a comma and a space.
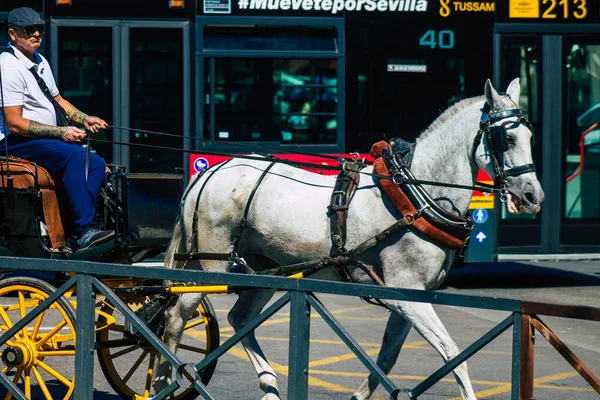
31, 227
269, 217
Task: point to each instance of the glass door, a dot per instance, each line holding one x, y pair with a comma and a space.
521, 58
581, 138
135, 75
156, 98
85, 76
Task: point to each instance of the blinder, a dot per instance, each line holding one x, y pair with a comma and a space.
497, 139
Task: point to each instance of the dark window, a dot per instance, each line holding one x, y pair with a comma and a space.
279, 38
282, 100
156, 95
85, 76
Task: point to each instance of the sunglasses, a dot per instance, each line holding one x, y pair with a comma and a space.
31, 29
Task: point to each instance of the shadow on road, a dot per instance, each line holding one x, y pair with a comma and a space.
522, 275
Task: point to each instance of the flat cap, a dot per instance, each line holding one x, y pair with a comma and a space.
24, 16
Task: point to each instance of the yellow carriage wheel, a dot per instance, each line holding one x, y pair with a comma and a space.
40, 358
128, 366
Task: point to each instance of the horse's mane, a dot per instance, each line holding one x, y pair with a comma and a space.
450, 112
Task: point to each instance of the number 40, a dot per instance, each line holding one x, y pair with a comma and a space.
445, 39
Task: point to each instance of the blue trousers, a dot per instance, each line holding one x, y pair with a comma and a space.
66, 163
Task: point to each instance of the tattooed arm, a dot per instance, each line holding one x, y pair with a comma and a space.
22, 126
37, 130
76, 116
91, 123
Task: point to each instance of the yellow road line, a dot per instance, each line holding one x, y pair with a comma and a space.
350, 356
399, 377
567, 388
416, 345
507, 387
501, 387
316, 341
283, 370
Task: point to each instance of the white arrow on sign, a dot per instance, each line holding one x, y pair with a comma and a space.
480, 237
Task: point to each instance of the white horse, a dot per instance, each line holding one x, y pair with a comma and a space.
287, 223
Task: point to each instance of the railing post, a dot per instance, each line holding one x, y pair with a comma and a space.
299, 346
523, 357
84, 338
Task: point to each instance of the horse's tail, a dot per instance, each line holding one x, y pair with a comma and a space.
175, 244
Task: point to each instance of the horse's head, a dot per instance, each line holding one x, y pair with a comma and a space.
506, 138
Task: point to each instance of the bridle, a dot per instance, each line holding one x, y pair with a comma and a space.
497, 142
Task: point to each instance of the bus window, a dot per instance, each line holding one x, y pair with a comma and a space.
281, 100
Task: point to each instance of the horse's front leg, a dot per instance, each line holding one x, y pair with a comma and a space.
425, 320
396, 330
248, 306
176, 316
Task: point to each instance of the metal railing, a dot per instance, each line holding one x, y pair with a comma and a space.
87, 280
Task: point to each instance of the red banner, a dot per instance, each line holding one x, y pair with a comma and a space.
199, 162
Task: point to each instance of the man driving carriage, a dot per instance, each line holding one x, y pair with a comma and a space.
34, 125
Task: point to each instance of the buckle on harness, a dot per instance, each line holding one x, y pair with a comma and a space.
398, 178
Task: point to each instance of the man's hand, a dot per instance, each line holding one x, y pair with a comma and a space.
94, 124
73, 134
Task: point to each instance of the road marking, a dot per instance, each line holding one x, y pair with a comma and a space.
399, 377
316, 341
507, 387
350, 356
501, 387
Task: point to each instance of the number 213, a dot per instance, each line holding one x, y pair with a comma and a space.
579, 13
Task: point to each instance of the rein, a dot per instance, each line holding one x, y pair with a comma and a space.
480, 186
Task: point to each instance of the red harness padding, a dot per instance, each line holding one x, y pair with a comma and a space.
403, 204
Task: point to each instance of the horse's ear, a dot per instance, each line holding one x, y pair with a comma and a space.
491, 96
514, 91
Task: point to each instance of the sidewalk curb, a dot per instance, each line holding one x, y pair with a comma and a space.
550, 257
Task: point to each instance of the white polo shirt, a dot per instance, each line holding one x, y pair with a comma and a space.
20, 88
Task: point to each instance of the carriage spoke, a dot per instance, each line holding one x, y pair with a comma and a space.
23, 312
194, 324
54, 373
56, 353
6, 318
149, 373
53, 332
38, 324
42, 384
15, 381
27, 384
135, 366
187, 347
124, 351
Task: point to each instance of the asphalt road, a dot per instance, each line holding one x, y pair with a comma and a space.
335, 372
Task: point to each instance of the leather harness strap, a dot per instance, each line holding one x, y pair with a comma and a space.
343, 192
233, 256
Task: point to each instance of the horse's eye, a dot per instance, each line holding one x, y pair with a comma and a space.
511, 140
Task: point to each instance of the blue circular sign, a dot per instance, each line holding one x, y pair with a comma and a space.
200, 164
480, 215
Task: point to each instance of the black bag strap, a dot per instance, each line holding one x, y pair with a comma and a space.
38, 78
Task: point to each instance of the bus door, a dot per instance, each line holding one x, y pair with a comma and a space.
135, 75
555, 52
